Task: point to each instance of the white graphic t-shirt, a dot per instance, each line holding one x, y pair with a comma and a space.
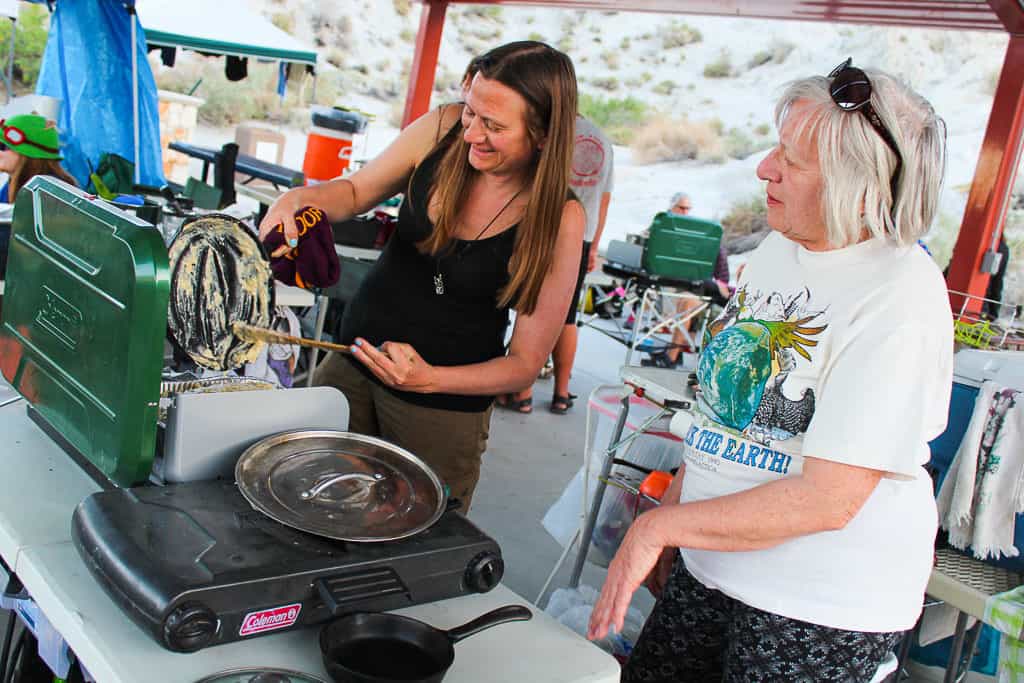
592, 174
842, 355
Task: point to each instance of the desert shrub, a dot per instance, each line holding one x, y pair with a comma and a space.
254, 98
535, 36
611, 59
776, 53
720, 68
624, 43
619, 118
402, 7
739, 145
678, 34
337, 57
491, 12
30, 34
665, 88
609, 83
667, 139
284, 21
745, 224
407, 35
646, 77
763, 129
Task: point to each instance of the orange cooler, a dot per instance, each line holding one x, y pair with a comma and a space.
329, 144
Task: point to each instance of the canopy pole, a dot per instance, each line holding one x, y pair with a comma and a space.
135, 92
989, 198
312, 98
424, 62
9, 76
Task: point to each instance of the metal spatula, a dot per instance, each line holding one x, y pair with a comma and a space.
260, 334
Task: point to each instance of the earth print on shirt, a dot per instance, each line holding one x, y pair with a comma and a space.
749, 351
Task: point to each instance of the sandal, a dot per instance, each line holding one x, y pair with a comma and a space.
525, 406
560, 405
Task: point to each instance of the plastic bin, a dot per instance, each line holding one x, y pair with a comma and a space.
985, 660
329, 143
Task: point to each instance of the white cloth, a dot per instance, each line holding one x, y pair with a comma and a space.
284, 356
843, 355
982, 492
592, 174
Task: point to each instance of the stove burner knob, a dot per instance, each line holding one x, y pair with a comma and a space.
484, 572
190, 627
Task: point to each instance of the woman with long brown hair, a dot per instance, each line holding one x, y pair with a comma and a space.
487, 224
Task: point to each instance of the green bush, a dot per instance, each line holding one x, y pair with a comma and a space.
254, 98
746, 217
611, 59
665, 88
739, 145
29, 44
720, 68
678, 34
609, 83
619, 118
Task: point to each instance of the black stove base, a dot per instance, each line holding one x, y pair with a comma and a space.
194, 565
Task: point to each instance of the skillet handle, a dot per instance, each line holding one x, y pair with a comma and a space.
497, 616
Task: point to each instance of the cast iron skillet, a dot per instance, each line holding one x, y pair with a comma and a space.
372, 647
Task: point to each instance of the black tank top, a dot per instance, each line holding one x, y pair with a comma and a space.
397, 300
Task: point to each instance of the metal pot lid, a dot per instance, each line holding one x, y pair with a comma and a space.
260, 675
219, 274
340, 485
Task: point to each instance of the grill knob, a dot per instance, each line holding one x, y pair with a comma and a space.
484, 572
190, 627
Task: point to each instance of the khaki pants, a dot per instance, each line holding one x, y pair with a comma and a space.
451, 442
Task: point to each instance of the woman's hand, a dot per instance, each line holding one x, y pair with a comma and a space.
656, 580
637, 556
396, 364
283, 211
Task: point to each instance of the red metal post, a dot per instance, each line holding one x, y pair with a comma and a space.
993, 179
424, 62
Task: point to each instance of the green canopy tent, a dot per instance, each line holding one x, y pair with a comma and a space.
225, 27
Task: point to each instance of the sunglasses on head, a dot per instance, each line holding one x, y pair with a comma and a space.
850, 89
15, 136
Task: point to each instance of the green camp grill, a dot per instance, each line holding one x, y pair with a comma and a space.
84, 319
682, 247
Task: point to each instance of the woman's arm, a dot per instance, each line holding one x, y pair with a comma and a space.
398, 365
825, 497
383, 177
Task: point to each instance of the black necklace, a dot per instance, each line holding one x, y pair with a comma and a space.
438, 277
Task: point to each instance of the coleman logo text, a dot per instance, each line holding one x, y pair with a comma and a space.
270, 619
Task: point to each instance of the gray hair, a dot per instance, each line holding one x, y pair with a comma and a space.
856, 164
676, 198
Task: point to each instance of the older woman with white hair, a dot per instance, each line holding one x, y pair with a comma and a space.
796, 542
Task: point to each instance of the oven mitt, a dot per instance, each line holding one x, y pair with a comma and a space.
313, 262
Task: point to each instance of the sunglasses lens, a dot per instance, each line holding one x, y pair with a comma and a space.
850, 90
3, 147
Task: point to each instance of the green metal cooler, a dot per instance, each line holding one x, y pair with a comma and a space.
681, 247
84, 319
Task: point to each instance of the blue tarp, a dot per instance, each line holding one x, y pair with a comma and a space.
88, 66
